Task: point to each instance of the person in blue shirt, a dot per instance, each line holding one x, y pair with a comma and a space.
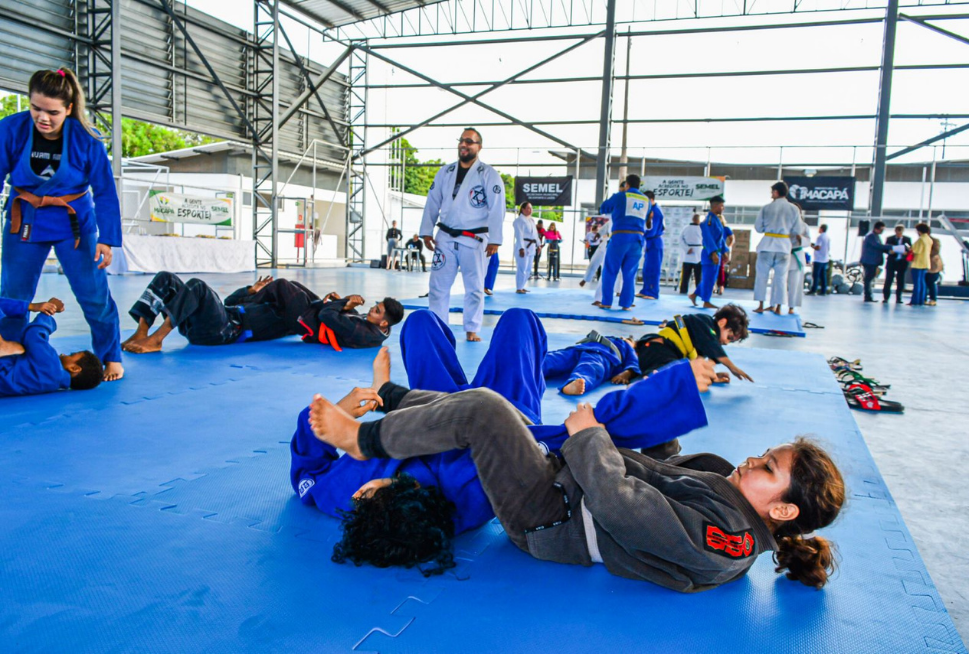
420, 488
62, 196
628, 209
653, 263
590, 362
714, 247
29, 365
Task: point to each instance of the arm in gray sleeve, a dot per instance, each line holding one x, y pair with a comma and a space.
640, 517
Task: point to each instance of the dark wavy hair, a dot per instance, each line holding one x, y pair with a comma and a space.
403, 524
737, 320
818, 489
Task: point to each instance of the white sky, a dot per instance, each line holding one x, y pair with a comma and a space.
828, 94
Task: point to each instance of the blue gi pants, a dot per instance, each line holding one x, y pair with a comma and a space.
708, 277
512, 366
492, 273
622, 254
593, 367
23, 263
652, 267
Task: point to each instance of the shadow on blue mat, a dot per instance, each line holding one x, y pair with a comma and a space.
576, 304
156, 515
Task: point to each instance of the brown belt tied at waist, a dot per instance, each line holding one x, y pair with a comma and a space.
46, 201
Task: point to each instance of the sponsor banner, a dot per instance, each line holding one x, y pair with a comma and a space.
544, 191
179, 208
816, 193
683, 188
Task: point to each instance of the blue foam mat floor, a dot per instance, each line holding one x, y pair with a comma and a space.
156, 515
576, 304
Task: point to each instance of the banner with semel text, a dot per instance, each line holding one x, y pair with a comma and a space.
544, 191
180, 208
683, 188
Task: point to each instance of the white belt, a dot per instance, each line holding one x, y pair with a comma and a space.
590, 533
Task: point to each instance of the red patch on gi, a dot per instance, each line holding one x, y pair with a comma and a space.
736, 545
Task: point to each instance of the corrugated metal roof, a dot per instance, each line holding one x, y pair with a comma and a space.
334, 13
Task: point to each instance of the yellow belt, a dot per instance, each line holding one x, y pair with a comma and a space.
679, 336
778, 235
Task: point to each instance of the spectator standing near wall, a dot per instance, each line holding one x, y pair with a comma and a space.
822, 253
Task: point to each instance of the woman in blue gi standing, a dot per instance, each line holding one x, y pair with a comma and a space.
62, 195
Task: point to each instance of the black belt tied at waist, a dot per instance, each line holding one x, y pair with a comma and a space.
470, 233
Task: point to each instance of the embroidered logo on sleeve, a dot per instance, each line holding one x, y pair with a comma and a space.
305, 484
736, 545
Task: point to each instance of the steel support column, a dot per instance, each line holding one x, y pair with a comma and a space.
356, 184
605, 111
884, 106
265, 132
103, 78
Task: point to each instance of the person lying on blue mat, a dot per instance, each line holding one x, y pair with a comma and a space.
696, 335
589, 363
29, 365
689, 524
266, 310
637, 417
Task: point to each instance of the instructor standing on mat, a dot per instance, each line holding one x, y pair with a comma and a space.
467, 201
63, 196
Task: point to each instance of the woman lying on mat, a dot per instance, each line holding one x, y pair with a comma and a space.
689, 524
637, 416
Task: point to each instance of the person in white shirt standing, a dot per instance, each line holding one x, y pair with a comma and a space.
800, 242
526, 244
467, 202
822, 250
776, 222
691, 240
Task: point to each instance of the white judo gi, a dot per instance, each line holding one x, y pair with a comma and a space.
526, 238
798, 264
479, 206
605, 231
776, 222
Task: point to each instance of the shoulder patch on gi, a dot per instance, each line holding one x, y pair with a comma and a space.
496, 189
450, 168
432, 186
304, 485
735, 545
478, 197
480, 168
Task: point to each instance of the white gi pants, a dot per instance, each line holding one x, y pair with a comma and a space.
598, 294
523, 267
595, 262
795, 283
451, 254
766, 262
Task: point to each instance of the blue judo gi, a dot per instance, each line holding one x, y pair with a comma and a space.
629, 210
635, 417
653, 262
714, 242
593, 362
84, 165
38, 369
492, 275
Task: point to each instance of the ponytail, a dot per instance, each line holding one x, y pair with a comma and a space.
818, 490
62, 84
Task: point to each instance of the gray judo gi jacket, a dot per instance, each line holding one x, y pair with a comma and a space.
679, 523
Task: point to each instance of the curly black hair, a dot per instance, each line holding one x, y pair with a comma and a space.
403, 524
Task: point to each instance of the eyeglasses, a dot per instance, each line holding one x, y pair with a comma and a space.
468, 142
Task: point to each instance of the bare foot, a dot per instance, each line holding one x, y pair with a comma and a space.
790, 311
487, 291
521, 291
777, 310
604, 306
332, 425
473, 337
113, 371
630, 308
10, 348
144, 346
708, 305
141, 333
582, 283
692, 297
574, 387
381, 368
760, 310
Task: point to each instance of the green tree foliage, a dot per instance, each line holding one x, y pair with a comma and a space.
418, 175
137, 138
